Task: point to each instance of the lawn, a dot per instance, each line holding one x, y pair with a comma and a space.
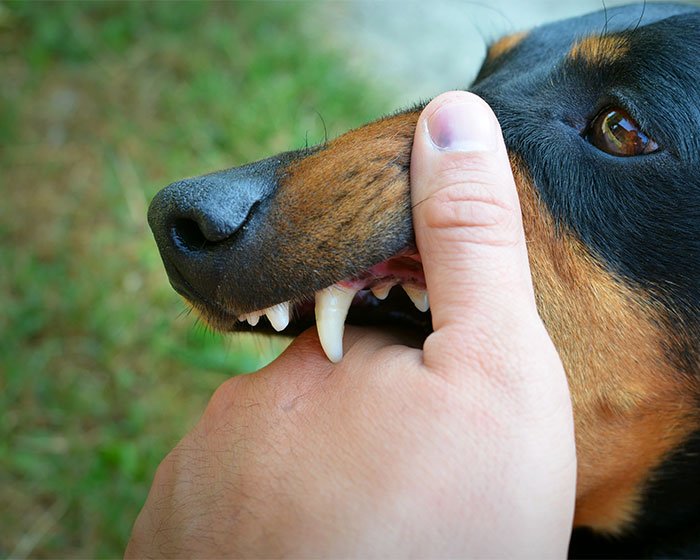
102, 104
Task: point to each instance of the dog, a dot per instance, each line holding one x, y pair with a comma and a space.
601, 117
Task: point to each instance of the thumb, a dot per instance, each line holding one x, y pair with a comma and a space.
467, 217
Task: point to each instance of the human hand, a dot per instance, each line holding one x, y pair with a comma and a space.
463, 448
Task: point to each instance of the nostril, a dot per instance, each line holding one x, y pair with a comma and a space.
209, 229
188, 235
213, 212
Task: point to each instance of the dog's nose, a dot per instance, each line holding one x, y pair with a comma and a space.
192, 214
197, 221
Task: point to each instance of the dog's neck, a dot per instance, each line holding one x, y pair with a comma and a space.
669, 522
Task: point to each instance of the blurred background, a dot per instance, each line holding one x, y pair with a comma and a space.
102, 104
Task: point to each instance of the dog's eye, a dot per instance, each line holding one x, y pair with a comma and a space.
615, 132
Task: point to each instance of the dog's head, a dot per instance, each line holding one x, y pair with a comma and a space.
601, 116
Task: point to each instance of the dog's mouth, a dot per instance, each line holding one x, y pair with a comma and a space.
391, 293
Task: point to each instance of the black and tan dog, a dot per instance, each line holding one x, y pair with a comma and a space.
601, 116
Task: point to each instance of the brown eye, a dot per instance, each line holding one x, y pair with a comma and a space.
615, 132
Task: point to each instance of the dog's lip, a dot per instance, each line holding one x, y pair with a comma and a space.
180, 284
388, 294
403, 269
366, 298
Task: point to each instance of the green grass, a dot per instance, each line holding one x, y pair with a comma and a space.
101, 104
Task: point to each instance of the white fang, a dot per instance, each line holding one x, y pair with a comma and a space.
418, 297
332, 306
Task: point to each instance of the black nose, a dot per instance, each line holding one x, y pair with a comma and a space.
197, 221
193, 213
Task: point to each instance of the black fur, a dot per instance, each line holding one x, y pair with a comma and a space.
640, 214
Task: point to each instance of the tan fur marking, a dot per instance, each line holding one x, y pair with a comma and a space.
340, 200
600, 50
630, 406
502, 46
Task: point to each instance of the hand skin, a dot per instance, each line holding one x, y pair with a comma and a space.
462, 449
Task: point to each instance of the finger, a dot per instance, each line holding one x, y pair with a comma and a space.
467, 216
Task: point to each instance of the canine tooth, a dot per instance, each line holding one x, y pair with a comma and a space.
278, 315
380, 292
332, 306
418, 297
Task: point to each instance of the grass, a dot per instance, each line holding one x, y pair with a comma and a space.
101, 104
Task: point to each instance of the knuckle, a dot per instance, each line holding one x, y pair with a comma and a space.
232, 394
226, 393
164, 475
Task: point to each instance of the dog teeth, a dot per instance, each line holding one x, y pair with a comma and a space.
418, 296
278, 315
252, 318
332, 306
381, 291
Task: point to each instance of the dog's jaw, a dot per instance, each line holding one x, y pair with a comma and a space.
332, 304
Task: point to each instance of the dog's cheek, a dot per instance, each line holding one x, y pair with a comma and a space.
347, 206
632, 407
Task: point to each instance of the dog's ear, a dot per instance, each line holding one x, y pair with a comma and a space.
498, 52
504, 45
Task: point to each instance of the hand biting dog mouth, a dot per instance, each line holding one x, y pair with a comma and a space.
391, 293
